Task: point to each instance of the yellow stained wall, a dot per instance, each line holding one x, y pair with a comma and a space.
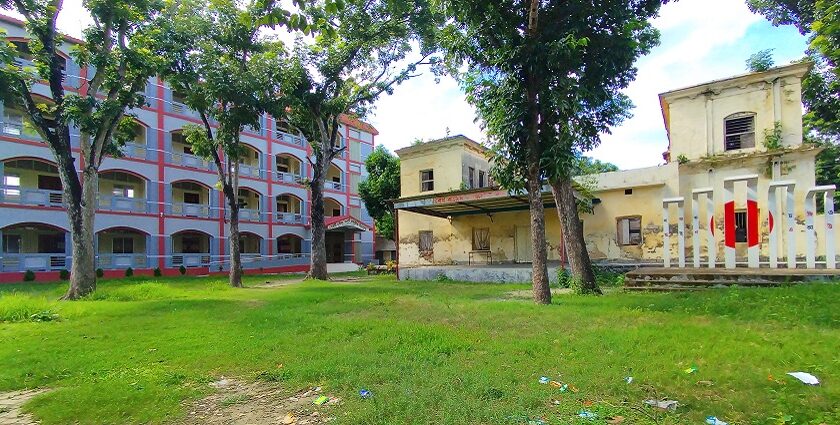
697, 119
446, 163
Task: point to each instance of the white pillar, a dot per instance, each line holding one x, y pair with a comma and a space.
753, 234
791, 233
811, 233
666, 239
774, 211
752, 219
711, 246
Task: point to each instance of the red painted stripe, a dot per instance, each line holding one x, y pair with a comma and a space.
752, 223
729, 224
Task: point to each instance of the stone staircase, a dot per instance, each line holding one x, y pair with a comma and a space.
693, 279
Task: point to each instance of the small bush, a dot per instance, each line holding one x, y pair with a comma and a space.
182, 270
442, 278
64, 274
44, 316
28, 276
157, 272
100, 273
391, 266
563, 277
682, 159
129, 272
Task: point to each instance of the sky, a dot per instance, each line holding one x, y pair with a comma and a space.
701, 40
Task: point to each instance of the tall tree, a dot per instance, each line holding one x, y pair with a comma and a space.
380, 188
545, 78
231, 74
120, 55
495, 40
363, 51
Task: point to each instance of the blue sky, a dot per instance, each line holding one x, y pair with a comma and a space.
701, 40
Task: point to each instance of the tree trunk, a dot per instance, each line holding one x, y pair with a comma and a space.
81, 208
540, 283
235, 254
572, 230
318, 255
231, 190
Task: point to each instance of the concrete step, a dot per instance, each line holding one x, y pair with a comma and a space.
669, 279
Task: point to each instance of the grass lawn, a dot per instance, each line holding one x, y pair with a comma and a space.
431, 352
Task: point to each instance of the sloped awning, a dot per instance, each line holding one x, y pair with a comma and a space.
346, 223
469, 202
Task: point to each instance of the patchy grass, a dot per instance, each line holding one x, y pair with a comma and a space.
431, 352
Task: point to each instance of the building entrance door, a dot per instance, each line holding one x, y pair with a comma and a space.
335, 247
524, 254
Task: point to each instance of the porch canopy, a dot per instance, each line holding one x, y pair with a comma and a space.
469, 202
345, 223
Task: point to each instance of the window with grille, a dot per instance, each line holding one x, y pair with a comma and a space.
123, 246
11, 244
481, 239
427, 180
740, 226
471, 178
426, 243
481, 178
629, 230
739, 131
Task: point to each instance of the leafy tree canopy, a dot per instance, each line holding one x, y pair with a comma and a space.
381, 186
760, 61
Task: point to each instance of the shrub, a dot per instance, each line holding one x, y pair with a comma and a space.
64, 274
391, 266
157, 272
682, 159
129, 272
28, 276
443, 278
182, 270
100, 273
563, 277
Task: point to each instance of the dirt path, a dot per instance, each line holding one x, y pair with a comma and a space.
240, 403
10, 403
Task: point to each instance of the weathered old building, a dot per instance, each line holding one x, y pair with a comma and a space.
735, 131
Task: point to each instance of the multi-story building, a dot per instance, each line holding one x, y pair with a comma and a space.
159, 205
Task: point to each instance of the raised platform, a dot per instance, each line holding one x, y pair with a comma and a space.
687, 279
492, 273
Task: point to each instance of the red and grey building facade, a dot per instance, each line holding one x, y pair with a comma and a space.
159, 205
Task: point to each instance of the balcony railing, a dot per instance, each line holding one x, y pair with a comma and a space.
250, 170
187, 160
19, 130
35, 262
122, 261
291, 218
190, 260
191, 210
335, 186
123, 203
289, 138
23, 196
134, 150
290, 178
246, 214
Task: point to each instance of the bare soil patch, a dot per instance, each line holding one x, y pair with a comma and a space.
10, 407
240, 403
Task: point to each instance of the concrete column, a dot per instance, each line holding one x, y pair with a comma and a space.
811, 234
679, 202
753, 251
752, 219
775, 219
695, 224
791, 234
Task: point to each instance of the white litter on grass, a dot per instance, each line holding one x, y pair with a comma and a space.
806, 378
712, 420
663, 404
